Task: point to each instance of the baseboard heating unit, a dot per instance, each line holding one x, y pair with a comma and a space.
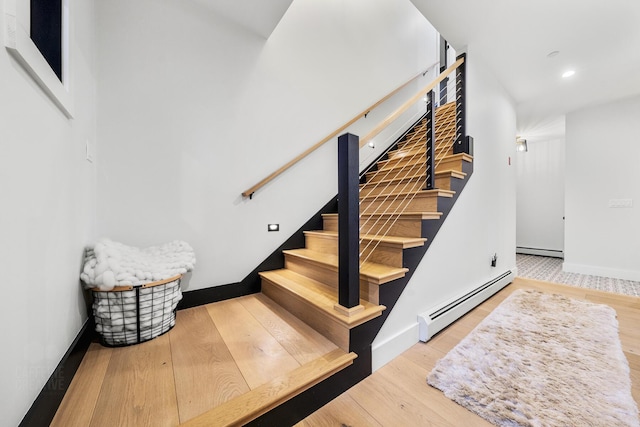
554, 253
438, 318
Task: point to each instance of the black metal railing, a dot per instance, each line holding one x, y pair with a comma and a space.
463, 144
430, 120
349, 224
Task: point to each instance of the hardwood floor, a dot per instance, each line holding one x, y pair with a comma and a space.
398, 395
206, 361
214, 354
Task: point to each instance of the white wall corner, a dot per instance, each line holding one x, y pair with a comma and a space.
385, 351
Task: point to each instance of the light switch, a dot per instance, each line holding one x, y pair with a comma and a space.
89, 151
621, 203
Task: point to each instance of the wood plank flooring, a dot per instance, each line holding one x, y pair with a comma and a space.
398, 395
214, 354
206, 361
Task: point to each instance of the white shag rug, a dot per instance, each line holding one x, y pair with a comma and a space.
541, 360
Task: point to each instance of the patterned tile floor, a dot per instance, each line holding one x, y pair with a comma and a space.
550, 270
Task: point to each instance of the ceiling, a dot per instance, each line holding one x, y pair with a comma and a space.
599, 40
258, 16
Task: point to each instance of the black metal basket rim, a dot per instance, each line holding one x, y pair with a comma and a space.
142, 286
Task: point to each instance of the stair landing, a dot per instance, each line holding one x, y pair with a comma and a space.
224, 363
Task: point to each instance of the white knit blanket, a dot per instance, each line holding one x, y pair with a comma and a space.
108, 264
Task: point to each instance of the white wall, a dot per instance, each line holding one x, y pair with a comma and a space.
193, 110
540, 195
47, 193
602, 157
481, 223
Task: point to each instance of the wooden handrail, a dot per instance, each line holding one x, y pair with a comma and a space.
404, 107
249, 192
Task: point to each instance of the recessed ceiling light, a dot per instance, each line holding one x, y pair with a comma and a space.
568, 73
553, 54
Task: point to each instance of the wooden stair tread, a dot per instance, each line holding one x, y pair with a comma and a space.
409, 150
403, 215
415, 149
259, 401
402, 242
446, 156
370, 271
452, 173
463, 156
441, 173
444, 143
392, 164
420, 193
419, 147
321, 296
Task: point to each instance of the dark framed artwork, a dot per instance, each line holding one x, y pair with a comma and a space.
36, 33
46, 31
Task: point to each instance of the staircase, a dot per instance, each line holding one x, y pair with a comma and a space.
398, 219
393, 206
404, 199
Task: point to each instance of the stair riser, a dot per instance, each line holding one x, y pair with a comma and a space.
419, 137
450, 164
328, 276
417, 204
381, 225
404, 161
378, 253
445, 147
443, 182
400, 170
308, 313
413, 136
397, 173
411, 170
417, 158
410, 151
413, 184
443, 124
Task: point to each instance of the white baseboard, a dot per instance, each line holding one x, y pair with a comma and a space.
542, 252
601, 271
439, 317
383, 352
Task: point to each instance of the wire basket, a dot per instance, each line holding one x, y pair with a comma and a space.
129, 315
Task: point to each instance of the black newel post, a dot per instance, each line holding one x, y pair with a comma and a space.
461, 144
430, 142
442, 99
348, 221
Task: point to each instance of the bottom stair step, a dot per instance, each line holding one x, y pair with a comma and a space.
314, 303
259, 401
